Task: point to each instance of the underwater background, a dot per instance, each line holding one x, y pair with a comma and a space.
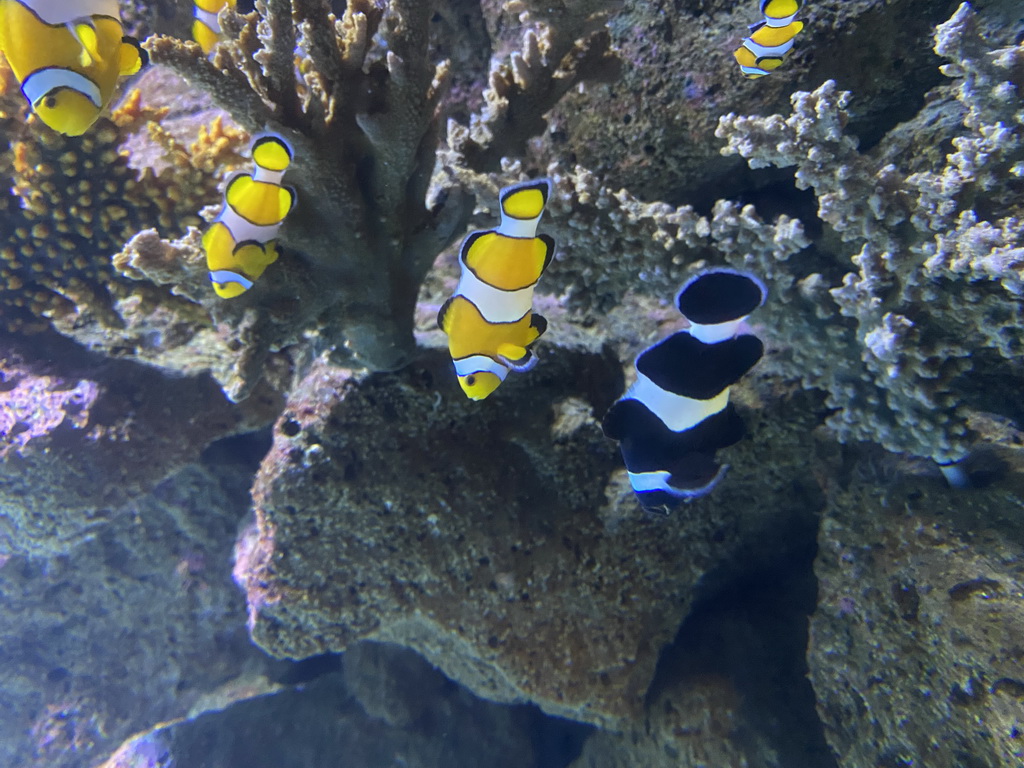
270, 529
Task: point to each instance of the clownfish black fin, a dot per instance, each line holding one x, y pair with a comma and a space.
549, 242
442, 314
133, 56
539, 325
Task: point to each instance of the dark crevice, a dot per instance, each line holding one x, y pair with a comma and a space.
753, 631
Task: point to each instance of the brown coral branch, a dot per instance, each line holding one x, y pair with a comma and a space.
227, 86
277, 57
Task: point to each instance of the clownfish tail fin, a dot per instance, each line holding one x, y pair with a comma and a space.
271, 152
525, 200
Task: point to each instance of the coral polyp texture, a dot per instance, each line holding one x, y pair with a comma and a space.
362, 100
72, 203
934, 301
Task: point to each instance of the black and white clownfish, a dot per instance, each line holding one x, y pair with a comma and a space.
206, 29
68, 56
489, 320
677, 414
770, 39
241, 244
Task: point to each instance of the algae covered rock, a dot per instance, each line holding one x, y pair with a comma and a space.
323, 724
131, 627
82, 439
480, 535
915, 649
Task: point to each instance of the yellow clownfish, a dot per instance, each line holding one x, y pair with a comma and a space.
67, 55
771, 39
206, 29
489, 319
240, 244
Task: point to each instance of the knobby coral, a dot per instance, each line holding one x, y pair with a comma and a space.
363, 104
70, 204
935, 298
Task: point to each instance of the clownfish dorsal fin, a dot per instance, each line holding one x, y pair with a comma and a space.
131, 57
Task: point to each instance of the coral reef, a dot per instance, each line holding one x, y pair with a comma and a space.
391, 510
73, 203
937, 252
134, 626
500, 541
363, 106
326, 722
652, 131
79, 442
918, 626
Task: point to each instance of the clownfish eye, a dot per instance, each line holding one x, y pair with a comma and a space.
470, 380
50, 102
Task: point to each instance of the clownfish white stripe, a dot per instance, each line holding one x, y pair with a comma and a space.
209, 18
659, 480
267, 176
242, 229
762, 51
712, 334
44, 81
650, 481
494, 304
467, 366
522, 229
676, 412
65, 12
785, 21
225, 276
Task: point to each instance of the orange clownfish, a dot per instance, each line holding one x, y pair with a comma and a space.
68, 56
206, 28
241, 243
770, 39
489, 320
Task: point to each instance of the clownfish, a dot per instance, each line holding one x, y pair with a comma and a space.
770, 39
677, 414
240, 244
489, 320
68, 56
206, 29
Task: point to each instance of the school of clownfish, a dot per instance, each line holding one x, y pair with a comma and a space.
68, 56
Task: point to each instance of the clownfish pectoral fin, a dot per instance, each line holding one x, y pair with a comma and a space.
537, 326
132, 56
442, 315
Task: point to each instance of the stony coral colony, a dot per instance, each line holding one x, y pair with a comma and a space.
362, 98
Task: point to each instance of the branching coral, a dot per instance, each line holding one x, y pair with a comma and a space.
363, 104
938, 253
72, 203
